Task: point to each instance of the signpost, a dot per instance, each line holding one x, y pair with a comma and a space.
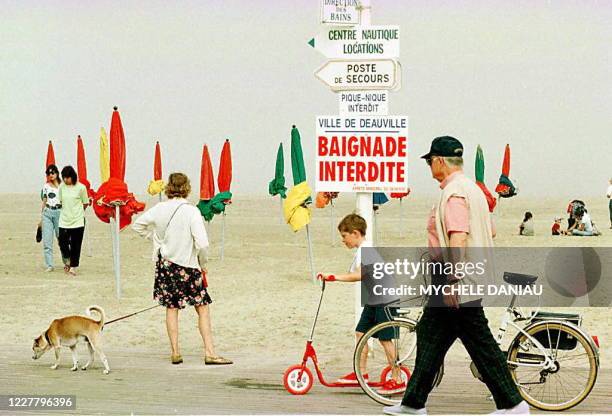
340, 12
362, 150
359, 74
358, 42
364, 102
361, 154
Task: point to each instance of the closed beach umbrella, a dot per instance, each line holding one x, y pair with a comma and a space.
157, 163
277, 185
207, 179
297, 157
505, 188
117, 147
479, 169
224, 180
379, 198
50, 155
82, 166
156, 186
104, 157
297, 212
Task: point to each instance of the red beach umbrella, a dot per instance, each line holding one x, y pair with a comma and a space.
117, 147
50, 155
224, 180
82, 166
505, 188
207, 178
157, 164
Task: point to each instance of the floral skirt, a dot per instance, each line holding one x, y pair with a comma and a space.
177, 286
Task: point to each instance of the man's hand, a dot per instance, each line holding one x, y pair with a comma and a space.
451, 300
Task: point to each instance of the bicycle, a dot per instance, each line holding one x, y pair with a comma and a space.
552, 360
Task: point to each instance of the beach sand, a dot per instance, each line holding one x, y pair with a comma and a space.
264, 298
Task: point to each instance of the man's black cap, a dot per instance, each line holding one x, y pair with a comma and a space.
445, 146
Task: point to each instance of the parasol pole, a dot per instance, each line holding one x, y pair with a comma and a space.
400, 219
331, 221
282, 216
223, 236
87, 230
310, 257
116, 260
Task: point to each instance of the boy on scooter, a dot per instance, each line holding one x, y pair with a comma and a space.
352, 229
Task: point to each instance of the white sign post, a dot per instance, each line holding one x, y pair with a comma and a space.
362, 154
364, 102
359, 75
358, 42
340, 12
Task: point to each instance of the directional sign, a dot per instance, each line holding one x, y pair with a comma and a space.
339, 75
364, 102
362, 154
358, 42
340, 12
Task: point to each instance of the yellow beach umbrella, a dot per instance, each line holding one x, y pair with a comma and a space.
104, 157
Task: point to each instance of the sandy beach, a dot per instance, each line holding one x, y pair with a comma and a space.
264, 298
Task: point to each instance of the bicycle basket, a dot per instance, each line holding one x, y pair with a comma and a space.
563, 341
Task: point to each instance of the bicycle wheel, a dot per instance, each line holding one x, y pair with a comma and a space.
404, 350
572, 377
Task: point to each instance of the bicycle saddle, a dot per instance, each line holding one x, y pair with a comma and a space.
519, 279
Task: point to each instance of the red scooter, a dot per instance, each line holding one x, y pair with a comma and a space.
298, 378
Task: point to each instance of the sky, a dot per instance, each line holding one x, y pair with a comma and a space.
535, 74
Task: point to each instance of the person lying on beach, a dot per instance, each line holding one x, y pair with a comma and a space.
526, 227
352, 228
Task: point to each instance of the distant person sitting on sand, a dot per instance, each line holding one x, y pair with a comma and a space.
526, 227
583, 225
573, 209
556, 228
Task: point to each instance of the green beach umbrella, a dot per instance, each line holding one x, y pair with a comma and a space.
297, 157
277, 185
479, 165
214, 206
479, 172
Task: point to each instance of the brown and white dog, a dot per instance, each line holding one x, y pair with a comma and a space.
67, 332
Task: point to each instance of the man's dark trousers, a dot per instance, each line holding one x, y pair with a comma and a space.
436, 331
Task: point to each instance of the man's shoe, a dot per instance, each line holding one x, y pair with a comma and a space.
520, 409
351, 378
400, 409
391, 387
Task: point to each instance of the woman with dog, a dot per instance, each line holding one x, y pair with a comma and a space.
50, 213
73, 199
179, 249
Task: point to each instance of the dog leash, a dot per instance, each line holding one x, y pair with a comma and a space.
131, 314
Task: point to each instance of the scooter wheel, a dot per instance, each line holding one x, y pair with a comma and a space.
295, 385
386, 374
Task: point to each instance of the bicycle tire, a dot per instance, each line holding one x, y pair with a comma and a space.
522, 348
407, 353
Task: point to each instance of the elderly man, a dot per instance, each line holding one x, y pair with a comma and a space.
459, 222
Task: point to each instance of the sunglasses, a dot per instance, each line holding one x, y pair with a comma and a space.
429, 160
52, 172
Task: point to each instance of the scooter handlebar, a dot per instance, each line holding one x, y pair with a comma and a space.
329, 278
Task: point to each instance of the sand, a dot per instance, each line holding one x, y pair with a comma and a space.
264, 299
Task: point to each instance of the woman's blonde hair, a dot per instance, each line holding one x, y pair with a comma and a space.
178, 186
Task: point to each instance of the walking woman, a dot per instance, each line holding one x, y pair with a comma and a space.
50, 213
74, 200
179, 248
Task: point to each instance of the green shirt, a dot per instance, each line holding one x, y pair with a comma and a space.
72, 198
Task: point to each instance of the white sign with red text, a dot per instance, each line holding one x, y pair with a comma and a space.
362, 154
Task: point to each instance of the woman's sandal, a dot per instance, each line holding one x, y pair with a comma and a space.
217, 360
66, 268
176, 359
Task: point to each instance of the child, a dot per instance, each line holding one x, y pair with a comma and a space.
526, 227
556, 228
352, 229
